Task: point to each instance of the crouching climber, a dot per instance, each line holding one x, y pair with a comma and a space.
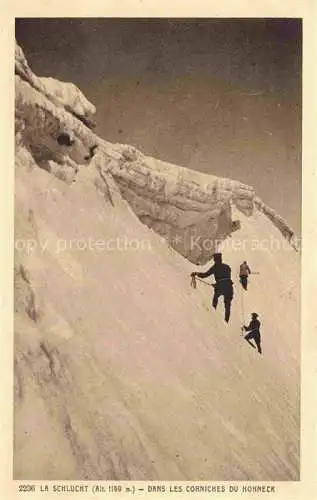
254, 332
223, 286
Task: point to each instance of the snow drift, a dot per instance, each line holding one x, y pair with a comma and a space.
122, 370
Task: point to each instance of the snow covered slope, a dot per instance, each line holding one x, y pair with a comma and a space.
122, 370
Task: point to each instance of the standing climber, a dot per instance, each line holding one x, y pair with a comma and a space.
244, 274
254, 332
223, 285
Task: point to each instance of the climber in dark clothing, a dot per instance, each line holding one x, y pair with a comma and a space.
223, 285
244, 274
254, 332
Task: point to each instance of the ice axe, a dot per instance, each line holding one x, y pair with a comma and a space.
194, 284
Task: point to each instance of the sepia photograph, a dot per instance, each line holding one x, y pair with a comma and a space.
157, 250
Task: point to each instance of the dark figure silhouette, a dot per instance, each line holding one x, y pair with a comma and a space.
244, 274
254, 332
223, 285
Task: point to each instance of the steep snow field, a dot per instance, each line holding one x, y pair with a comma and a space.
127, 372
122, 369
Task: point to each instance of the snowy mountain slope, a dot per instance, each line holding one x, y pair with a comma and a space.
176, 202
120, 366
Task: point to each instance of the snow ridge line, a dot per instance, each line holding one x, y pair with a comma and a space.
279, 222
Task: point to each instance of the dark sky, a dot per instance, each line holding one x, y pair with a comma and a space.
222, 96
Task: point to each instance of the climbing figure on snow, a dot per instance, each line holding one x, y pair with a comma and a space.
244, 274
223, 285
254, 332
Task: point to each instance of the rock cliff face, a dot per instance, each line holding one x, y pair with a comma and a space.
115, 355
